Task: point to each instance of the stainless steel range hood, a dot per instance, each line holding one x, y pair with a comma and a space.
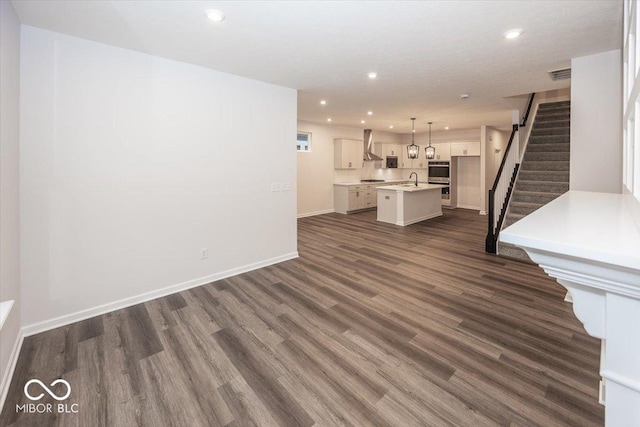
368, 146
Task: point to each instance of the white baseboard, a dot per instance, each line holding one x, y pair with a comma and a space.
67, 319
483, 213
474, 208
8, 373
326, 211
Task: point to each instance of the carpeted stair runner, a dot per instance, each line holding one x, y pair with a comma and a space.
544, 172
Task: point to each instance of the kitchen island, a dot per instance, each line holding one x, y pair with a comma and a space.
406, 204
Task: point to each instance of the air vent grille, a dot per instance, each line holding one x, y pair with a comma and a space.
563, 74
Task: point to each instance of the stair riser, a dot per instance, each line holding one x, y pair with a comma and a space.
535, 156
543, 187
544, 124
522, 210
553, 115
545, 166
551, 132
544, 176
542, 199
554, 105
548, 148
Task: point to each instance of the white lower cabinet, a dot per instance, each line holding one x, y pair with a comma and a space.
354, 198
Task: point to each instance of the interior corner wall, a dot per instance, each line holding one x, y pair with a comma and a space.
316, 172
9, 187
131, 164
596, 123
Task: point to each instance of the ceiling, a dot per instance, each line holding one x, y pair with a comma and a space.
426, 53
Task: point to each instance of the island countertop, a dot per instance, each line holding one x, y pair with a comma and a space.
412, 187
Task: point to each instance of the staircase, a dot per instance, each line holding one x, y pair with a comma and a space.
544, 172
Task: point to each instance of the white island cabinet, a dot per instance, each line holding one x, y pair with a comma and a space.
407, 204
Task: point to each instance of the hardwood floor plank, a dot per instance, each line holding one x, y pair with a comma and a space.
374, 324
90, 328
280, 403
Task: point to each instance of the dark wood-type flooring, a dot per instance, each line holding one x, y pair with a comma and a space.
373, 325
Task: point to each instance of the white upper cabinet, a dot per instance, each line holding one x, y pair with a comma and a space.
348, 154
443, 151
459, 149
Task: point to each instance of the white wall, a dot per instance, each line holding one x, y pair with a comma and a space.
9, 186
131, 164
596, 111
494, 145
316, 173
468, 187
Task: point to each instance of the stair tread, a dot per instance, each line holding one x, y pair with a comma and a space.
526, 204
545, 193
535, 181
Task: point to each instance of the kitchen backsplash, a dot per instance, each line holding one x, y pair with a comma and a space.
370, 172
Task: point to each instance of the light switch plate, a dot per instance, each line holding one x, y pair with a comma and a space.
275, 186
286, 186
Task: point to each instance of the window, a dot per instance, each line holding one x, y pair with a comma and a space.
304, 141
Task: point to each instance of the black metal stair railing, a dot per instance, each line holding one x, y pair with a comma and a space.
500, 192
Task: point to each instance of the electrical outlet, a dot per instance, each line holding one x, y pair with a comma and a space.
204, 253
275, 186
286, 186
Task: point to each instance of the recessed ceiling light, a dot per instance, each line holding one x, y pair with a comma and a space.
464, 96
370, 113
362, 121
512, 34
329, 119
214, 15
372, 75
446, 128
390, 126
323, 102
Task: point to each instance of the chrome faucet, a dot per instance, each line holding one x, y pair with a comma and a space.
413, 173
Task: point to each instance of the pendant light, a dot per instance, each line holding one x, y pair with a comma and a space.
413, 150
430, 152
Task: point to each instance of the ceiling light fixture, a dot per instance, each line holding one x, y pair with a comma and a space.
362, 121
329, 119
446, 128
214, 15
413, 150
430, 152
464, 96
370, 113
372, 75
323, 102
512, 34
390, 126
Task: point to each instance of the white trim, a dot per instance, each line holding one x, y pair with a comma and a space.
482, 213
622, 380
67, 319
473, 208
11, 367
326, 211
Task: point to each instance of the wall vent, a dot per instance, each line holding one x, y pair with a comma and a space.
562, 74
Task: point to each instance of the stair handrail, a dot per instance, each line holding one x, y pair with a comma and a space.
526, 114
500, 192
